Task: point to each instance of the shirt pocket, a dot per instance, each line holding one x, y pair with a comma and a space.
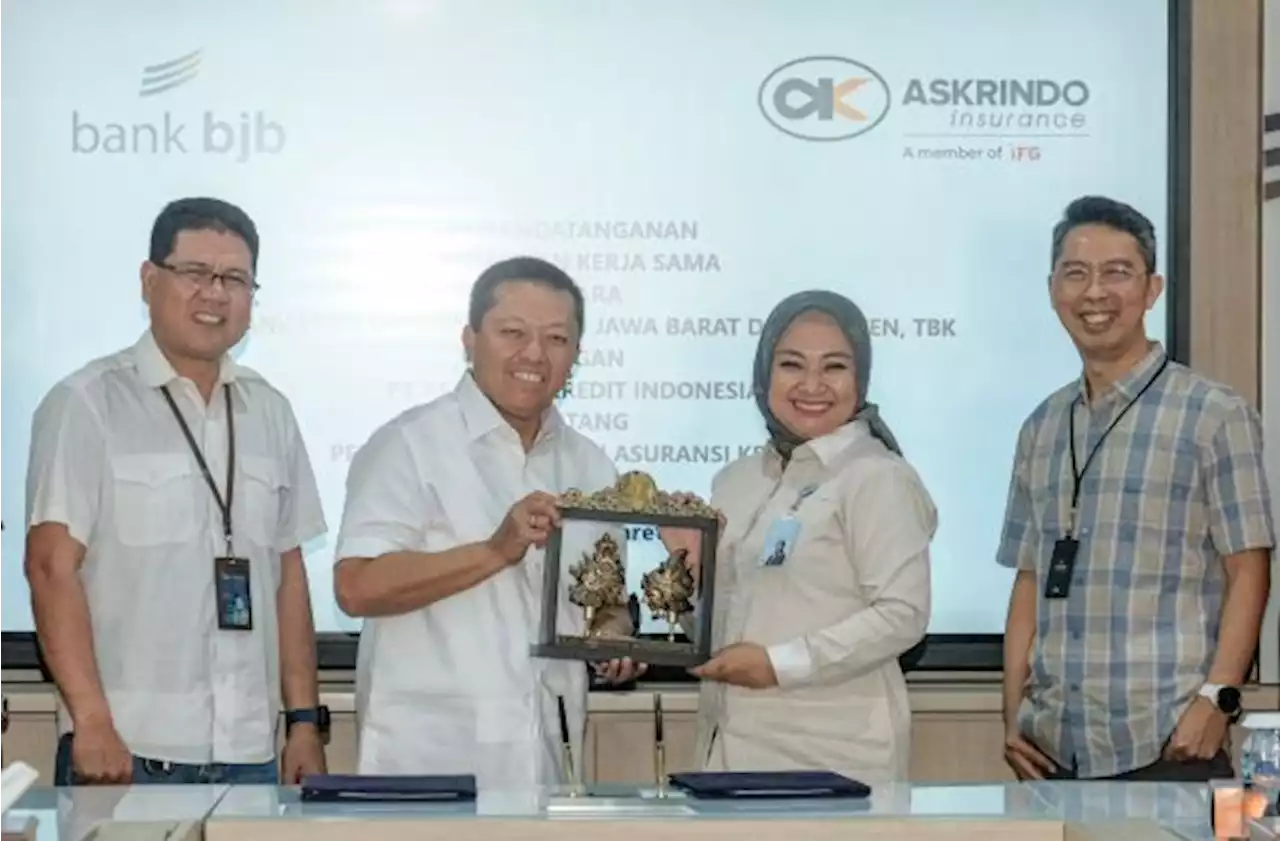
263, 480
156, 497
1161, 507
1048, 504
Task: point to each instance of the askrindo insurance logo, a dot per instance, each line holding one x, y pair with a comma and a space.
824, 98
166, 120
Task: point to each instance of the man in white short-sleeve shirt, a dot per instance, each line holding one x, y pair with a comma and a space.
164, 534
441, 549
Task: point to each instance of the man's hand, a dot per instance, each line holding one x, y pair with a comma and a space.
99, 756
620, 671
741, 664
1024, 758
303, 754
529, 522
1200, 733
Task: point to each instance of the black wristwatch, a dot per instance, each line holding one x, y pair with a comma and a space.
1225, 698
319, 716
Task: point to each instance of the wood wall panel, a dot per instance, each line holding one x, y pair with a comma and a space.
1226, 245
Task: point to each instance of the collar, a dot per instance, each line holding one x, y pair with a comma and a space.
823, 450
834, 443
480, 416
1128, 386
156, 370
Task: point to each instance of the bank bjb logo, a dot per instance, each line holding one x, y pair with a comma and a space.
824, 98
167, 124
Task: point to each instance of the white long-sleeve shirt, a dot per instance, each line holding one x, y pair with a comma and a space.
452, 688
853, 594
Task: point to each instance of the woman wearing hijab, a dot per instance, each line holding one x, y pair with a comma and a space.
822, 570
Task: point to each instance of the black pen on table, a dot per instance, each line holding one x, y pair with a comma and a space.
659, 746
566, 746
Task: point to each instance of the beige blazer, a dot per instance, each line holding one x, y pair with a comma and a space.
852, 595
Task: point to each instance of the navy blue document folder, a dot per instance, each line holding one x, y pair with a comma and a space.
760, 784
336, 787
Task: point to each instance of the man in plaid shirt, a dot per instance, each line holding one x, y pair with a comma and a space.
1139, 523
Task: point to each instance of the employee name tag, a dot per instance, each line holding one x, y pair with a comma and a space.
235, 602
780, 541
1062, 564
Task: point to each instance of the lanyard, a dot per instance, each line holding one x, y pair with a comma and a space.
1077, 473
223, 507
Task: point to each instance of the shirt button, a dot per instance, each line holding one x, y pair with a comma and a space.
1084, 530
1075, 635
1075, 687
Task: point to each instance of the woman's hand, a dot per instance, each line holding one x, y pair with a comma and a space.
741, 664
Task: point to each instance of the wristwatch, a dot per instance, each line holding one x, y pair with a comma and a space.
319, 716
1225, 698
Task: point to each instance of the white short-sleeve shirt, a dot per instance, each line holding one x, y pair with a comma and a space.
109, 460
452, 688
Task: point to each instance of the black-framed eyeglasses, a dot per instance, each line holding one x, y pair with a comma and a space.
203, 277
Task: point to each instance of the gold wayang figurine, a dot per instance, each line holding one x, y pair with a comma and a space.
668, 591
599, 581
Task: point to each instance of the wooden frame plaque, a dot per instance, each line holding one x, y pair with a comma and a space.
598, 581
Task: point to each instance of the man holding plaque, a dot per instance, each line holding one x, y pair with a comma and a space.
448, 509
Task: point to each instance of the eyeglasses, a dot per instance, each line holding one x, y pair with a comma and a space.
203, 277
1113, 275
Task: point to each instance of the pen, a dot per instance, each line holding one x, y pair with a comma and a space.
566, 746
659, 746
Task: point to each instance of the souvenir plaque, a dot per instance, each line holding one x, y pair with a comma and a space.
595, 583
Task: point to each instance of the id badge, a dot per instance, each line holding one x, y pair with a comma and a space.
779, 542
1062, 564
235, 602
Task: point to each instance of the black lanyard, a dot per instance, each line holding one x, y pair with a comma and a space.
1077, 473
223, 507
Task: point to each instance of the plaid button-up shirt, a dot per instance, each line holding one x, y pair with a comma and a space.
1177, 485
